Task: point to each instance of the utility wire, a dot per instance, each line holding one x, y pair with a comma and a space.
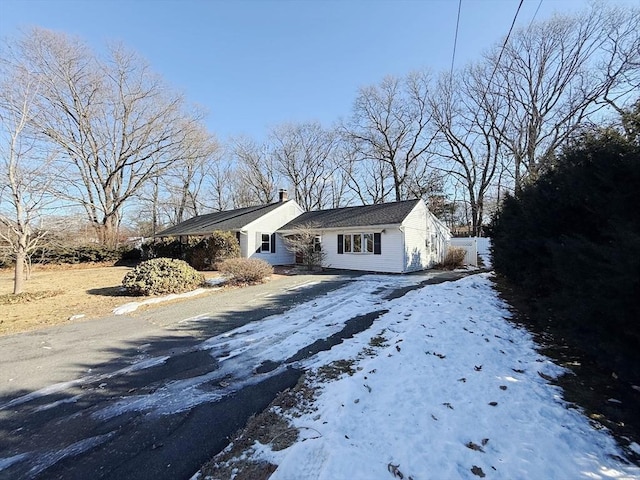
455, 40
495, 67
534, 15
504, 45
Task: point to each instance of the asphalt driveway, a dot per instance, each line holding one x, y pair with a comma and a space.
35, 360
68, 394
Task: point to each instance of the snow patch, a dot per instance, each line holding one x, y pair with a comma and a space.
46, 459
133, 306
455, 391
8, 461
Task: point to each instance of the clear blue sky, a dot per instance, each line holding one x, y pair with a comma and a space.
257, 63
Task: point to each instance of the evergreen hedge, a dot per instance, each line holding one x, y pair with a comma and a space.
201, 253
60, 253
571, 241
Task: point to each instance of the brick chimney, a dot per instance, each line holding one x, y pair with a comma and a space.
282, 195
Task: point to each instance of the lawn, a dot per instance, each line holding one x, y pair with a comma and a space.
78, 292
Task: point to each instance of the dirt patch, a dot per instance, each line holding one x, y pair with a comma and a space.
273, 428
81, 292
267, 428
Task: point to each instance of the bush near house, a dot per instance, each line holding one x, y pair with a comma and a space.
163, 248
304, 243
161, 276
454, 258
245, 270
210, 251
200, 253
571, 243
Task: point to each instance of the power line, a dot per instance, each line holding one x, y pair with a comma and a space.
504, 45
495, 66
534, 15
455, 40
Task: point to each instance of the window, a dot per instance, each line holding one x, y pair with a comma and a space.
347, 243
368, 242
317, 243
266, 244
357, 243
360, 243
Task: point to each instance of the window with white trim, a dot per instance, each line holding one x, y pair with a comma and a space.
358, 243
265, 243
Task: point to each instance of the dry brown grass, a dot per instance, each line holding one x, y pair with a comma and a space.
92, 291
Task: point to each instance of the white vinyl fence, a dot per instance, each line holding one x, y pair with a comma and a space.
474, 246
470, 245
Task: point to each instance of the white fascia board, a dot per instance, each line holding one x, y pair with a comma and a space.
288, 203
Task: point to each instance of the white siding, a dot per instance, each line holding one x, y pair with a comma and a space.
416, 255
417, 244
268, 224
244, 244
390, 259
426, 239
439, 236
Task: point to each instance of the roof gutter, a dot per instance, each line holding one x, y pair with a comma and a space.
361, 228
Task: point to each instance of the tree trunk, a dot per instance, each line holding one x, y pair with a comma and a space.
18, 277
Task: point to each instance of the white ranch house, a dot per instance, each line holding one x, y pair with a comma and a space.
255, 229
398, 237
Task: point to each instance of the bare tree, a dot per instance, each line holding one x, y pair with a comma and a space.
555, 74
116, 122
256, 179
340, 175
24, 167
221, 185
185, 181
470, 124
306, 244
304, 155
391, 133
367, 178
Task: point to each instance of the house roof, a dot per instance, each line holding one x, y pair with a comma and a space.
228, 220
362, 216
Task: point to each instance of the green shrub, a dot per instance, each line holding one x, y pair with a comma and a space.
245, 270
454, 258
571, 243
161, 276
210, 251
163, 248
60, 253
130, 255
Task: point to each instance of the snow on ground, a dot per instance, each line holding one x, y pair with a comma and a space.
455, 392
240, 352
133, 306
484, 250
